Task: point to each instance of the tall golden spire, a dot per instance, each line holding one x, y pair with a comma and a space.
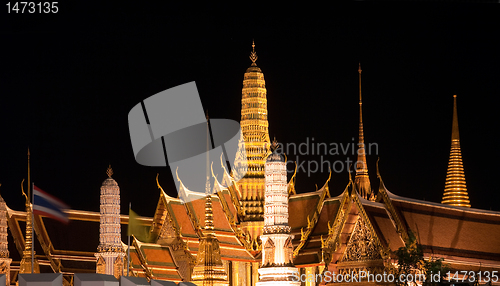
209, 221
28, 263
455, 189
254, 127
209, 269
362, 181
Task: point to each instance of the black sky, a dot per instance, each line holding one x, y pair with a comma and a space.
68, 81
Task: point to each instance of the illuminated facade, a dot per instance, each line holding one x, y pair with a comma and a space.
110, 253
277, 252
455, 190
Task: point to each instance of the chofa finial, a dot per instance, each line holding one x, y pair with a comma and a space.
109, 171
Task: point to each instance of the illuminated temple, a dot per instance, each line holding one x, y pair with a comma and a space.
258, 230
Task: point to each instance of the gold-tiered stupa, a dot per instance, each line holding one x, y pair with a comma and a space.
254, 126
455, 190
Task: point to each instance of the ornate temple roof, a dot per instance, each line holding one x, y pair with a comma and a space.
325, 228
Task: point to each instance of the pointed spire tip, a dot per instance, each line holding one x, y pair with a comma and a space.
109, 171
253, 54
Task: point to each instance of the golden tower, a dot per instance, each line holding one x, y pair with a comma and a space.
209, 269
455, 189
362, 181
254, 126
29, 263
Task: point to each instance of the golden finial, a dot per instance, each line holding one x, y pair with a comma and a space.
253, 54
109, 171
274, 145
323, 243
359, 68
454, 129
378, 171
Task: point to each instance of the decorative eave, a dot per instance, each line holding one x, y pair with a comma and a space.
394, 214
242, 237
291, 183
186, 193
311, 223
150, 267
142, 259
218, 189
332, 241
162, 214
44, 240
232, 187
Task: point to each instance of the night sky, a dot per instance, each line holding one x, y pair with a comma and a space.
68, 81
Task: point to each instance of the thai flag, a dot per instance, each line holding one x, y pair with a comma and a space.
49, 206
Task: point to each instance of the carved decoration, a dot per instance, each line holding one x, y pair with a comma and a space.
118, 267
268, 252
289, 250
101, 265
361, 246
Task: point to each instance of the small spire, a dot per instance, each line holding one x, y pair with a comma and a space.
361, 180
253, 54
455, 190
109, 171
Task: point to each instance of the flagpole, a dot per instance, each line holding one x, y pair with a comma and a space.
128, 233
33, 228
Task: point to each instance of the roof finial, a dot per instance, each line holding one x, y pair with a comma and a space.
361, 180
109, 171
253, 54
360, 101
